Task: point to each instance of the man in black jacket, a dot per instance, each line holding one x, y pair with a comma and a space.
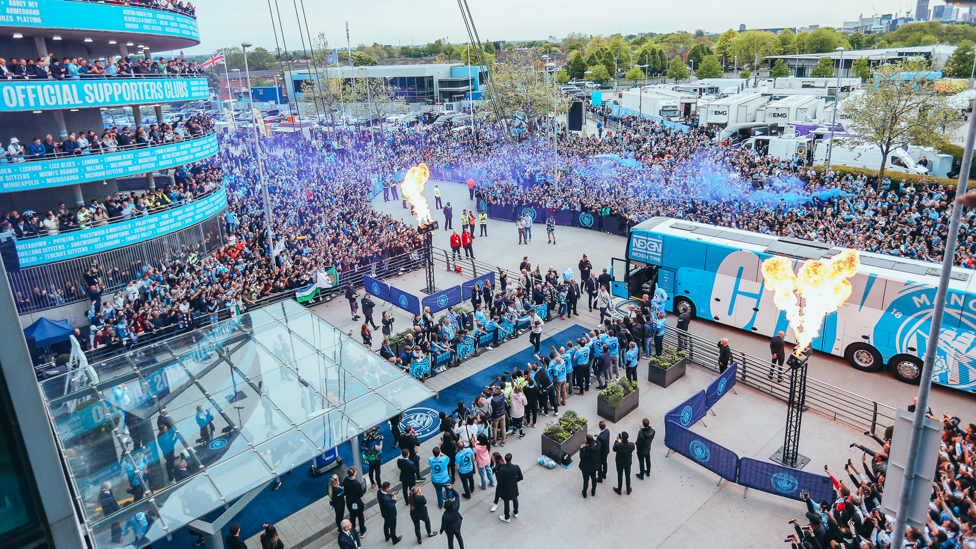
777, 348
448, 217
388, 510
354, 499
585, 268
409, 442
368, 305
623, 451
351, 296
644, 439
724, 355
408, 472
592, 287
572, 298
508, 477
604, 439
605, 280
589, 463
684, 322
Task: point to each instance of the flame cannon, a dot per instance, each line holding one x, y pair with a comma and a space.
412, 190
807, 297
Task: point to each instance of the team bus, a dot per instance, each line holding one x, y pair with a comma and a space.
715, 272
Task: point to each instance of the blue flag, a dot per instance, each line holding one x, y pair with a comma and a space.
333, 58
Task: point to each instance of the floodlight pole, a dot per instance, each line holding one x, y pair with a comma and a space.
913, 458
789, 454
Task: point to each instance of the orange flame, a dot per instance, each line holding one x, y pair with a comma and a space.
412, 190
823, 286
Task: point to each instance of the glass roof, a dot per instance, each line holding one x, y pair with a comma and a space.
242, 402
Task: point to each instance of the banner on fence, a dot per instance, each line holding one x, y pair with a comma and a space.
561, 217
465, 348
405, 301
500, 211
614, 224
783, 481
441, 359
376, 288
420, 368
688, 412
443, 299
720, 385
714, 457
486, 339
468, 285
587, 220
535, 212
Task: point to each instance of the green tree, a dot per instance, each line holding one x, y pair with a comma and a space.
634, 74
698, 53
857, 41
575, 46
779, 70
647, 56
894, 111
725, 47
710, 68
606, 58
823, 40
469, 55
746, 73
619, 47
595, 43
575, 37
489, 47
639, 41
861, 69
678, 70
521, 90
786, 42
960, 64
359, 59
753, 44
577, 66
562, 77
823, 69
662, 61
600, 74
801, 42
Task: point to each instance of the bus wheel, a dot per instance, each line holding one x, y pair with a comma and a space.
906, 368
864, 357
684, 301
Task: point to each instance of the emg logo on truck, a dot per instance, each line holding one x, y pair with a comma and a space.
720, 113
778, 115
646, 248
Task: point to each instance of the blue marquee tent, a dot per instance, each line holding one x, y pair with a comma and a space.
47, 332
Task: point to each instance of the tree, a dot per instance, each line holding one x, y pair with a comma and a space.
678, 70
894, 111
595, 43
779, 70
577, 66
375, 98
359, 59
575, 37
787, 42
960, 64
523, 91
662, 61
861, 69
725, 47
605, 57
801, 42
647, 56
710, 68
823, 40
857, 40
824, 68
575, 46
489, 48
562, 77
745, 74
600, 74
634, 74
753, 44
619, 47
327, 92
698, 53
469, 55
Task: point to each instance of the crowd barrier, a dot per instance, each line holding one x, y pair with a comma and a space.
613, 224
760, 475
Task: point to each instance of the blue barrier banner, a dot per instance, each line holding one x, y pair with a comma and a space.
503, 212
714, 457
534, 211
466, 347
441, 359
486, 339
688, 412
720, 385
587, 220
783, 481
25, 95
58, 14
405, 301
562, 217
468, 285
376, 288
443, 299
37, 251
45, 174
542, 310
420, 368
483, 206
614, 224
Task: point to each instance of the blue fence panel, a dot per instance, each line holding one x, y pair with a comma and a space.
486, 339
376, 288
419, 368
720, 385
714, 457
405, 301
443, 299
783, 481
441, 359
688, 412
468, 285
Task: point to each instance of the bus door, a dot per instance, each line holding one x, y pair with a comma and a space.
639, 278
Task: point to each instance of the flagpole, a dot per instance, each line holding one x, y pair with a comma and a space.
230, 94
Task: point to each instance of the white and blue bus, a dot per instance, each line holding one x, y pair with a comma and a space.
883, 325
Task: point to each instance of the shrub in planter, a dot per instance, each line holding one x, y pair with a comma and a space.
615, 392
617, 400
666, 369
565, 427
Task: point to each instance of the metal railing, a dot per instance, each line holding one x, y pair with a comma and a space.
469, 267
828, 400
142, 5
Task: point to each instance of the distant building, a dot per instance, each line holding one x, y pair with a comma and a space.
742, 28
803, 63
922, 10
938, 12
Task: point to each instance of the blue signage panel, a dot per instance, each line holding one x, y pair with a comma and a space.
37, 251
376, 288
27, 176
443, 299
26, 95
688, 412
714, 457
720, 385
405, 301
783, 481
467, 286
646, 247
60, 14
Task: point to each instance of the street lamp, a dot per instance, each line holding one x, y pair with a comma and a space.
833, 116
736, 66
257, 158
640, 93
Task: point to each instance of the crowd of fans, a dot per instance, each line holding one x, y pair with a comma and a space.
112, 140
78, 68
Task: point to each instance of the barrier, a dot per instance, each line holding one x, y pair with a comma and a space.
405, 301
613, 224
376, 288
468, 285
443, 299
783, 481
720, 385
714, 457
688, 412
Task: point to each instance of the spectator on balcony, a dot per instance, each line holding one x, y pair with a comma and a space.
83, 143
71, 145
97, 69
58, 71
108, 143
36, 150
142, 139
71, 67
110, 69
18, 70
49, 227
128, 210
100, 217
124, 139
40, 68
5, 71
154, 136
15, 150
51, 148
83, 68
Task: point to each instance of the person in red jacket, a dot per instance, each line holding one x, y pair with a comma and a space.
466, 241
456, 245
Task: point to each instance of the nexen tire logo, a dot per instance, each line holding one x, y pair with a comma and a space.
649, 248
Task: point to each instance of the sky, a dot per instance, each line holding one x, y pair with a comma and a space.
224, 23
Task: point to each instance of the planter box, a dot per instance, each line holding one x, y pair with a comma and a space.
628, 405
569, 446
665, 378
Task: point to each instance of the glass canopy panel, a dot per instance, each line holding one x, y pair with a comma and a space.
239, 474
113, 367
404, 393
282, 343
287, 451
134, 526
329, 429
318, 333
252, 359
297, 399
255, 416
369, 410
183, 503
367, 366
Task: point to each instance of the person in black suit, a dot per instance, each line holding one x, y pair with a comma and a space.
684, 322
408, 471
589, 463
585, 268
368, 305
387, 501
508, 477
451, 523
349, 538
354, 499
724, 355
623, 451
592, 287
448, 217
644, 439
777, 348
604, 439
234, 540
418, 512
409, 442
605, 279
572, 298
